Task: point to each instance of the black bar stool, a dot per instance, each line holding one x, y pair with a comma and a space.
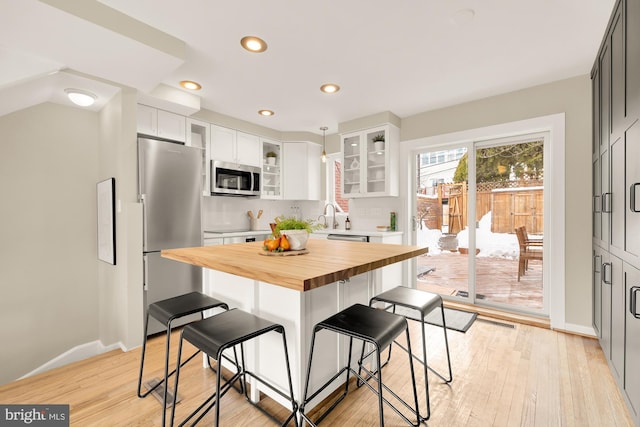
376, 327
166, 311
223, 331
422, 302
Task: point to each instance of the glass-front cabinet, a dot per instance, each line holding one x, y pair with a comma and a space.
271, 170
369, 162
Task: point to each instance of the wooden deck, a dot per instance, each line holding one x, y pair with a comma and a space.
496, 279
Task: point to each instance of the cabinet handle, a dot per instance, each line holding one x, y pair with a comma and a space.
606, 202
606, 273
632, 197
632, 297
597, 205
597, 263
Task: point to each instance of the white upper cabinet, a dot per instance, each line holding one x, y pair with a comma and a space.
160, 123
271, 170
229, 145
301, 163
370, 162
199, 136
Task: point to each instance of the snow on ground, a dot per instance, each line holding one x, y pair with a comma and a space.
497, 245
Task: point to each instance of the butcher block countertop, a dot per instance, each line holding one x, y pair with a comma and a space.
327, 261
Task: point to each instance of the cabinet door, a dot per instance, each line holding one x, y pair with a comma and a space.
351, 165
301, 174
172, 126
314, 164
632, 30
223, 144
376, 172
247, 149
597, 202
617, 317
632, 189
198, 136
617, 75
597, 290
605, 198
147, 120
595, 113
617, 196
632, 350
271, 170
605, 336
604, 66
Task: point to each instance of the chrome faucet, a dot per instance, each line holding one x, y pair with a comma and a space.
335, 223
324, 217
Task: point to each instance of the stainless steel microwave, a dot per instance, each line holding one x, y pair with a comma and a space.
230, 179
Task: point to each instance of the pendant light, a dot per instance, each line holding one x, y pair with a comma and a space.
324, 147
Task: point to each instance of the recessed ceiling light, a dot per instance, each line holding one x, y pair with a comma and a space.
266, 112
191, 85
329, 88
81, 97
253, 44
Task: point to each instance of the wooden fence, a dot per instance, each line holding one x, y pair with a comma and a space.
511, 205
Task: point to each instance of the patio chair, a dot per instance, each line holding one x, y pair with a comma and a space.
529, 249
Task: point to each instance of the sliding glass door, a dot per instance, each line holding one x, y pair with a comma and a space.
470, 199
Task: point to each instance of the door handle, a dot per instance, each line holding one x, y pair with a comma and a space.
633, 292
145, 273
632, 197
606, 202
606, 273
597, 263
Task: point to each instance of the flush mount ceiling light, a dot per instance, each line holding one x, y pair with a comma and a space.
462, 17
191, 85
80, 97
329, 88
324, 151
266, 113
253, 44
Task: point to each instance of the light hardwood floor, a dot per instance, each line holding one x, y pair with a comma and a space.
521, 376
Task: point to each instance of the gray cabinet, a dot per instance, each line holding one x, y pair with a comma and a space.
597, 291
616, 198
617, 317
632, 350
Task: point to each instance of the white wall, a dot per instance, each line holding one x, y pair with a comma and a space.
48, 262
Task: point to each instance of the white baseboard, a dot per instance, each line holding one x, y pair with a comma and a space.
75, 354
578, 329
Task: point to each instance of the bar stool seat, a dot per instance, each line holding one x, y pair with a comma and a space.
223, 331
166, 311
376, 327
424, 303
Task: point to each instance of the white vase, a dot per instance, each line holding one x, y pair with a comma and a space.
297, 238
271, 160
378, 145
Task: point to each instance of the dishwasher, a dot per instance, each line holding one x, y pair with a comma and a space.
348, 237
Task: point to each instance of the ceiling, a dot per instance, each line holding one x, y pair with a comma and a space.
405, 56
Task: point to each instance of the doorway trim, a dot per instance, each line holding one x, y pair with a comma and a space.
554, 167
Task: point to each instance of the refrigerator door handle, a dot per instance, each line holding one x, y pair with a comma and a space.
144, 223
145, 273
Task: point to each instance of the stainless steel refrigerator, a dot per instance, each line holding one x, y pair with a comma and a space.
169, 187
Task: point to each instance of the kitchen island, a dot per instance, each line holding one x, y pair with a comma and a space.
296, 291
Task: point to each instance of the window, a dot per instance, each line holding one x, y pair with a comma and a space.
334, 183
